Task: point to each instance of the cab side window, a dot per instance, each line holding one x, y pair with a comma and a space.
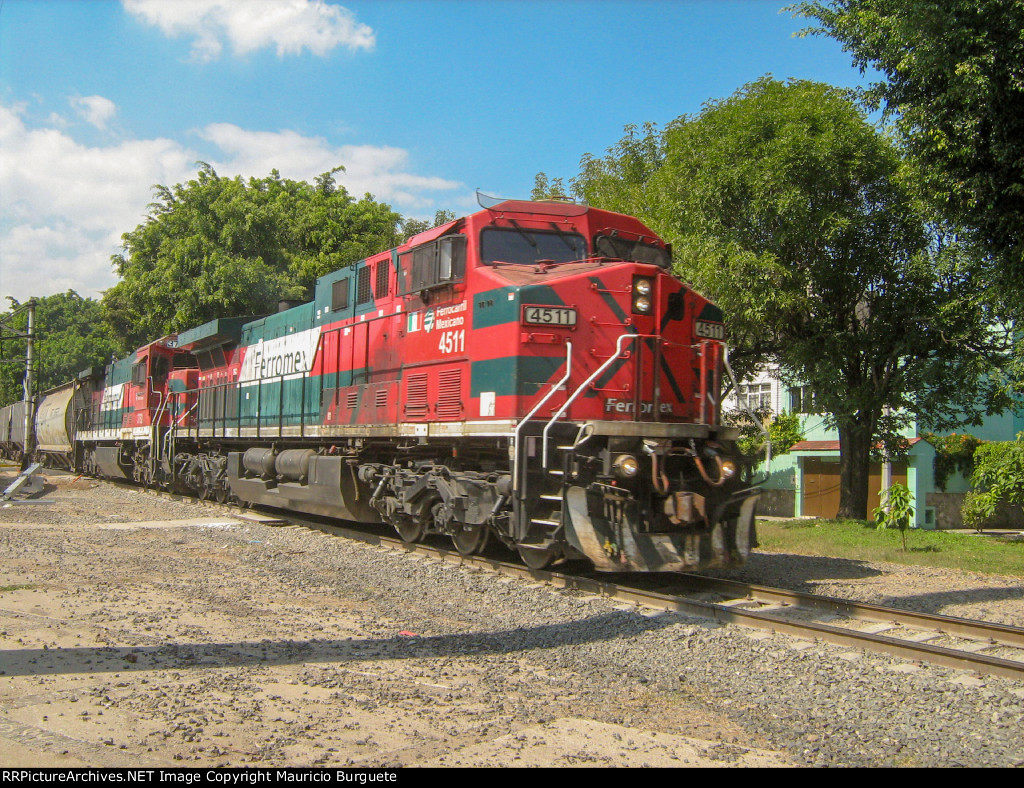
433, 264
339, 295
161, 366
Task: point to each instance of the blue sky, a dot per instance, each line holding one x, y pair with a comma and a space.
422, 101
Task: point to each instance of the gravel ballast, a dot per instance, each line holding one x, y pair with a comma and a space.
138, 630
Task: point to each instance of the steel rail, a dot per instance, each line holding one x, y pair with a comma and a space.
758, 619
770, 621
864, 611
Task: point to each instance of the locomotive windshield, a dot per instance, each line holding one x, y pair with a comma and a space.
519, 245
619, 248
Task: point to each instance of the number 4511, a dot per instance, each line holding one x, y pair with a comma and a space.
452, 342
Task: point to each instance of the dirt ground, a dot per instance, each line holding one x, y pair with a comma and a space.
139, 631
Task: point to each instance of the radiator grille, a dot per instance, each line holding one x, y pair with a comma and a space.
416, 402
363, 294
449, 399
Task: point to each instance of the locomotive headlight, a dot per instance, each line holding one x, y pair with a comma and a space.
626, 466
642, 289
729, 469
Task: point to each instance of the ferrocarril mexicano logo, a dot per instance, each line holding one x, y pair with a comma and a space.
277, 358
441, 317
451, 316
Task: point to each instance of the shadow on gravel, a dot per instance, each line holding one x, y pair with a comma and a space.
176, 656
806, 572
937, 601
802, 572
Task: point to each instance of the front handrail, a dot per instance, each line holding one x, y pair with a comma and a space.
155, 443
584, 385
533, 411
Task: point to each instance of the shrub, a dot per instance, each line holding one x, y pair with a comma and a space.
896, 511
999, 469
998, 477
978, 510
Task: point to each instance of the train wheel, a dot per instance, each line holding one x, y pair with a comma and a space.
221, 494
471, 539
411, 529
538, 557
204, 491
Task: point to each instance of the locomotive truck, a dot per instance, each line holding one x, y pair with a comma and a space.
532, 373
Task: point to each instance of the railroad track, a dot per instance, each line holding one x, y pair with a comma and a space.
964, 644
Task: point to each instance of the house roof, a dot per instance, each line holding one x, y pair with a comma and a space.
833, 445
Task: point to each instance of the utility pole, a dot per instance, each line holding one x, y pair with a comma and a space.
30, 405
8, 331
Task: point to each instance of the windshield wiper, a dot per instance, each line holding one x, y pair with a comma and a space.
522, 232
562, 235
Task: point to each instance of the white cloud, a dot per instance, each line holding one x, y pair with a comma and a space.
381, 171
44, 173
94, 110
249, 25
40, 260
64, 205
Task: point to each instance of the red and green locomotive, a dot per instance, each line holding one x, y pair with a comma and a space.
532, 373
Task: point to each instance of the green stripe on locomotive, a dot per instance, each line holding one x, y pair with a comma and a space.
289, 321
501, 306
120, 371
513, 375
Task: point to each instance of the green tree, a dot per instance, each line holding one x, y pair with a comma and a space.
999, 468
954, 89
220, 246
71, 336
783, 430
619, 181
798, 218
544, 189
410, 227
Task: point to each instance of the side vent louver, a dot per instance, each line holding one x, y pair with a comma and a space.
416, 402
449, 400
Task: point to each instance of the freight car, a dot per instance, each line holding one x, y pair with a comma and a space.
531, 373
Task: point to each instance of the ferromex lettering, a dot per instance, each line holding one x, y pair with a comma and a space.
288, 355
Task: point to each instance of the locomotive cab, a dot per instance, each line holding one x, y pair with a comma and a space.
567, 332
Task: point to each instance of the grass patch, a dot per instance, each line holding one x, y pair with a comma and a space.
17, 587
861, 541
